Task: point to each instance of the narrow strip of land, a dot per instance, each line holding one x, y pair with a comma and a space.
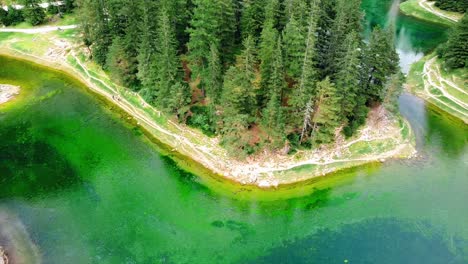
429, 7
382, 138
433, 79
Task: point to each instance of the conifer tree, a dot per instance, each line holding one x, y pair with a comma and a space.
348, 19
239, 91
167, 62
273, 116
455, 51
214, 77
293, 48
348, 76
33, 13
268, 41
381, 60
304, 93
147, 50
95, 26
326, 116
253, 16
203, 33
227, 29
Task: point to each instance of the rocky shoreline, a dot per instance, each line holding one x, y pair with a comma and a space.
8, 92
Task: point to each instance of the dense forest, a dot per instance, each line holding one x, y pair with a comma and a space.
452, 5
260, 73
33, 13
455, 51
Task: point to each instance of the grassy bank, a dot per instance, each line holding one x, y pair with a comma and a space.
390, 137
425, 10
445, 89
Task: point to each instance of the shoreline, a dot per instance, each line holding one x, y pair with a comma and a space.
425, 10
8, 92
429, 81
270, 171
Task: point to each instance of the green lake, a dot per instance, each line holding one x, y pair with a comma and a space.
89, 187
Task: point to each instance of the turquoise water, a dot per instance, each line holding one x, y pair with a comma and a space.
90, 187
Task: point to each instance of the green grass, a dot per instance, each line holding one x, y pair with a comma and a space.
412, 8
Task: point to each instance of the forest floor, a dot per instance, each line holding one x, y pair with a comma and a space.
426, 10
447, 90
7, 92
384, 137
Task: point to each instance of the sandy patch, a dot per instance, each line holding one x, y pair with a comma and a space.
7, 92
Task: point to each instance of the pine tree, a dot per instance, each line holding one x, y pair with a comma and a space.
203, 33
348, 76
266, 54
147, 50
273, 117
348, 19
239, 91
326, 116
96, 31
381, 60
253, 16
227, 29
303, 97
214, 81
455, 51
293, 48
167, 62
33, 13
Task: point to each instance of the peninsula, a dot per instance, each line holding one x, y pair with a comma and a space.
274, 116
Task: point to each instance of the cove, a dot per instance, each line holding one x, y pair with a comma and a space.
90, 187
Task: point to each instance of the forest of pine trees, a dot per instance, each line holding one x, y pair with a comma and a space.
452, 5
258, 73
32, 13
455, 51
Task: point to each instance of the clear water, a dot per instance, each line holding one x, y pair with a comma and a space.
90, 187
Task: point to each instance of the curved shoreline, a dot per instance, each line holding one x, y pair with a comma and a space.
273, 171
425, 10
8, 92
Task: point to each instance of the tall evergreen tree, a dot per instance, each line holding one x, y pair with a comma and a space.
266, 55
326, 116
304, 93
348, 76
95, 25
214, 81
147, 50
33, 13
348, 19
167, 62
273, 116
203, 33
293, 48
253, 16
380, 61
455, 51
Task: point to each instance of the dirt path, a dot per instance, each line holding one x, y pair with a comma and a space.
433, 78
429, 6
37, 30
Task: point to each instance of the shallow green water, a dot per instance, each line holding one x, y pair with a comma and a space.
91, 188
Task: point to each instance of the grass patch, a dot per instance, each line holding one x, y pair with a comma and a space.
412, 8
